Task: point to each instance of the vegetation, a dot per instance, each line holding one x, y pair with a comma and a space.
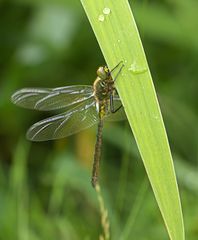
45, 188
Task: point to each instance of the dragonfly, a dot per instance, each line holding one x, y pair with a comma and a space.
85, 106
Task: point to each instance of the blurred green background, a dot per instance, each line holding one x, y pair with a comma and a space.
45, 190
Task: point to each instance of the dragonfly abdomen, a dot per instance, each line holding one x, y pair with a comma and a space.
97, 155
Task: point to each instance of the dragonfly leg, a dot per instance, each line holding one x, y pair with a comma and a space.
112, 108
118, 71
116, 66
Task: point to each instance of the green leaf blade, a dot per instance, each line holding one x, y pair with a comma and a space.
119, 39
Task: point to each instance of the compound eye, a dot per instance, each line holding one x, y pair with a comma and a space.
103, 72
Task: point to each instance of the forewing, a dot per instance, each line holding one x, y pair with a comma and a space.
46, 99
81, 117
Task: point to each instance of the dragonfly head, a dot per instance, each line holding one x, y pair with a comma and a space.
103, 72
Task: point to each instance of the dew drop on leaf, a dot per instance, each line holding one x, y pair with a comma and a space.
106, 11
101, 18
136, 69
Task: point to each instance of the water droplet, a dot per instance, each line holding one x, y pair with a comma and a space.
137, 69
106, 10
101, 18
119, 40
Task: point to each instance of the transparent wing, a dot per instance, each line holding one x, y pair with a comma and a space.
78, 118
119, 115
46, 99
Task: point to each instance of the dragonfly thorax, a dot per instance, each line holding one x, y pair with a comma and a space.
103, 89
103, 85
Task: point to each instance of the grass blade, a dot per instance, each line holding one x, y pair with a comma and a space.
115, 29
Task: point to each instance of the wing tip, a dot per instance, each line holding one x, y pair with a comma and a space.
14, 97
